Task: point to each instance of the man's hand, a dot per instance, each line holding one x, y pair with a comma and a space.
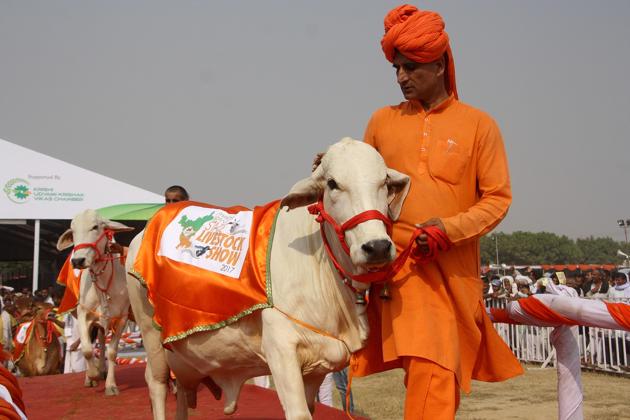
422, 240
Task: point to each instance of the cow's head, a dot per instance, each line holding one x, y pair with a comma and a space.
88, 228
352, 178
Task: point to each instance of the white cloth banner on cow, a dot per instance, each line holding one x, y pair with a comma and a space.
208, 238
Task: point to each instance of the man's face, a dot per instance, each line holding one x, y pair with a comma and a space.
619, 280
418, 81
173, 197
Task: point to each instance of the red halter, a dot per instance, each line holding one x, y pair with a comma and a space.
94, 245
109, 234
437, 241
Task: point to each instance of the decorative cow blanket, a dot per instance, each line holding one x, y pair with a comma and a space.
71, 278
24, 331
205, 266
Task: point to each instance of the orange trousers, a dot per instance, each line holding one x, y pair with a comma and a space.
432, 391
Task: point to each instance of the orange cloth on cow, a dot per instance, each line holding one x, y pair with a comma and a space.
455, 158
72, 282
189, 299
20, 346
418, 35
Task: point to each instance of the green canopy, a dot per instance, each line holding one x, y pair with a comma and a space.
140, 211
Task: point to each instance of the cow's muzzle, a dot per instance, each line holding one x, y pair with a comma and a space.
378, 251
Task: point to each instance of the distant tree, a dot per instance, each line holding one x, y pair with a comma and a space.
523, 248
599, 250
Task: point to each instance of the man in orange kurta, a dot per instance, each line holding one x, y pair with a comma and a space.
435, 325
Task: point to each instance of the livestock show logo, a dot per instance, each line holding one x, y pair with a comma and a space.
18, 190
207, 238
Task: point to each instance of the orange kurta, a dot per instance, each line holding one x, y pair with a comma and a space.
456, 160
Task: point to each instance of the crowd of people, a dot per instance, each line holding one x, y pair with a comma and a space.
597, 284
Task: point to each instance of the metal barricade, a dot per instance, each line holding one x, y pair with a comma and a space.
600, 348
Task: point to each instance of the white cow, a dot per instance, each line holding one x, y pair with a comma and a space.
352, 178
103, 297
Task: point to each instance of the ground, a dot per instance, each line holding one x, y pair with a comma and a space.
531, 396
378, 397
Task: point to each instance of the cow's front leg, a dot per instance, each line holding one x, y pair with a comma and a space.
91, 374
280, 350
311, 389
112, 352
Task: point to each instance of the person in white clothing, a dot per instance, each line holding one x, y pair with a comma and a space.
7, 335
557, 286
325, 390
622, 286
619, 352
75, 362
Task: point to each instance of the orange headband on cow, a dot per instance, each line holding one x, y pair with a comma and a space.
418, 35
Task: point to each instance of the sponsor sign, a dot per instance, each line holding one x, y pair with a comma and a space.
36, 186
20, 191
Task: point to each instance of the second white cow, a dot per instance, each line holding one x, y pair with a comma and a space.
103, 297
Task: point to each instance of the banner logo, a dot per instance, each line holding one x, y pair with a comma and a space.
18, 190
211, 239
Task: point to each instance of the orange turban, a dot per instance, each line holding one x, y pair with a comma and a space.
418, 35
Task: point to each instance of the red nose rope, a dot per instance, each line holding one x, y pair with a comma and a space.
437, 241
109, 234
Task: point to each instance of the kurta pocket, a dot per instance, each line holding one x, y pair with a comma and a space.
448, 160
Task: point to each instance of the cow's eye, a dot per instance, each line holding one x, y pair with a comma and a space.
332, 184
95, 227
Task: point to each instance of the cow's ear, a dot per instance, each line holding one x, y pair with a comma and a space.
117, 227
65, 241
397, 189
306, 191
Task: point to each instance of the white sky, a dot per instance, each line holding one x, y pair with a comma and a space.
233, 98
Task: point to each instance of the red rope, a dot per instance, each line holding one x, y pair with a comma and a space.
109, 281
437, 242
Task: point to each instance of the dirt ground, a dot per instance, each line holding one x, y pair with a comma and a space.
530, 396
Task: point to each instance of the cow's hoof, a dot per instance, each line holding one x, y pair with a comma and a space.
229, 408
90, 383
112, 390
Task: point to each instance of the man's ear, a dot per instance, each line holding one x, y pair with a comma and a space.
397, 189
306, 191
65, 241
441, 63
117, 227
